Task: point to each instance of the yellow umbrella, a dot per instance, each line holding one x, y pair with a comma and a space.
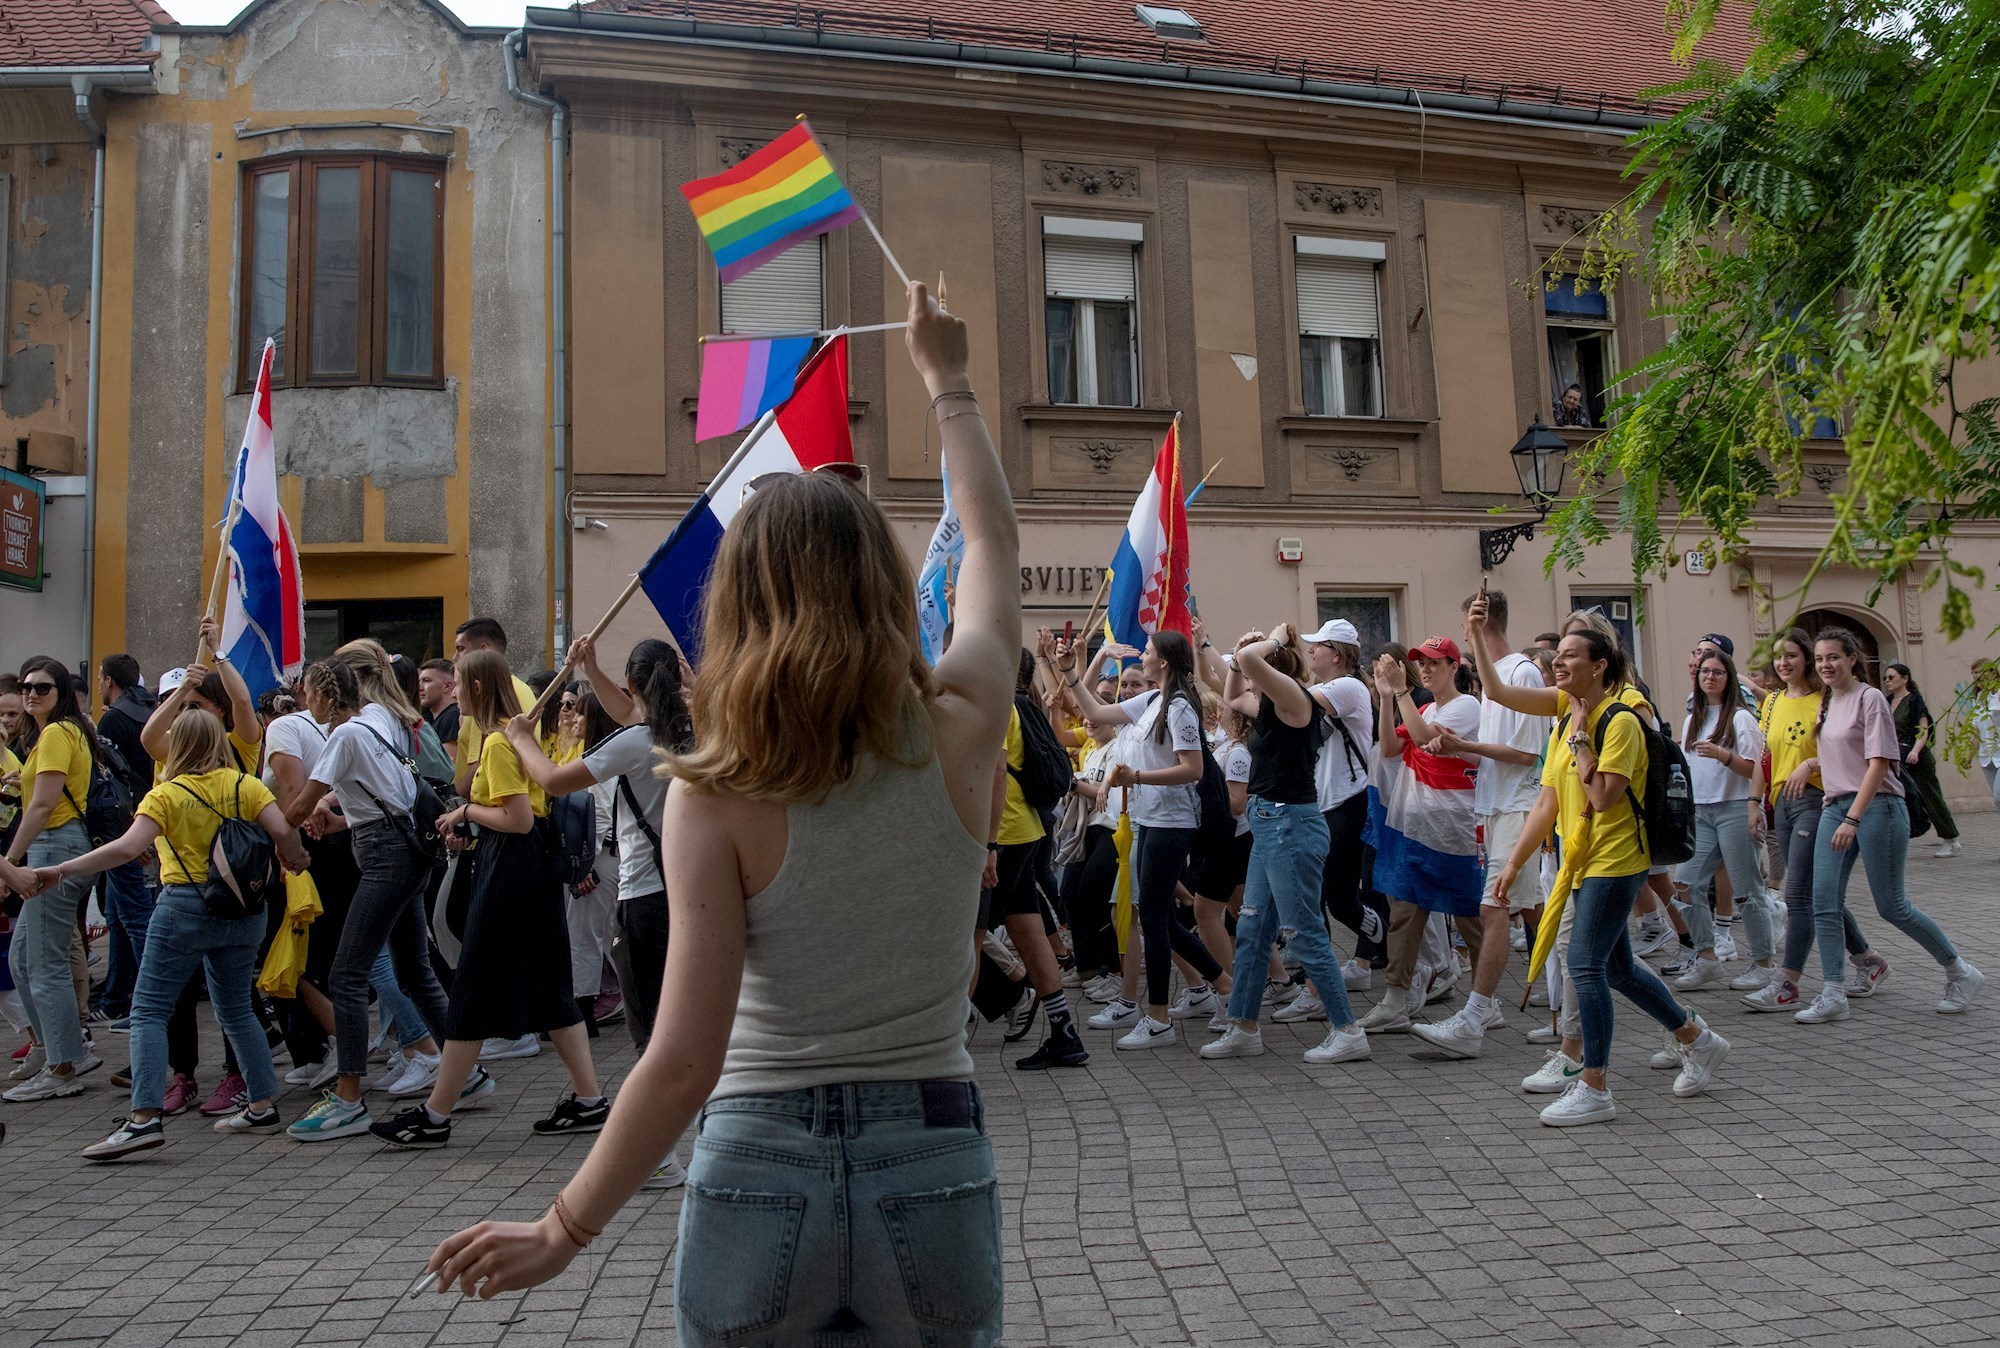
1121, 911
1575, 853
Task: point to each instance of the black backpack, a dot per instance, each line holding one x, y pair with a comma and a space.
1666, 819
574, 817
243, 871
1045, 773
645, 825
1217, 824
107, 807
419, 826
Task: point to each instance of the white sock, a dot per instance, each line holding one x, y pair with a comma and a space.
1475, 1008
1957, 969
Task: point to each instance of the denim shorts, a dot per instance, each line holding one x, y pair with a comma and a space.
863, 1213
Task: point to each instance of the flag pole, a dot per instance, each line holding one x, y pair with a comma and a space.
202, 652
1203, 483
866, 218
632, 586
801, 332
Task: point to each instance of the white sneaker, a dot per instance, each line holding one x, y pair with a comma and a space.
1358, 975
313, 1075
1518, 942
1305, 1006
1539, 995
1119, 1013
1149, 1033
670, 1175
527, 1046
1495, 1019
1704, 973
1391, 1015
1347, 1043
1830, 1005
1779, 994
1236, 1042
46, 1084
30, 1066
1443, 980
420, 1073
1863, 979
1700, 1059
1542, 1034
1220, 1021
1459, 1037
1072, 977
1959, 992
1191, 1004
1945, 849
1281, 992
1725, 946
1102, 988
1679, 965
1653, 939
1753, 978
1668, 1057
1578, 1105
1557, 1073
393, 1073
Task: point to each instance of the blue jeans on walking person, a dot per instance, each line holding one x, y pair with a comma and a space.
1722, 838
1882, 845
39, 957
128, 906
398, 1012
1287, 861
1600, 959
1797, 827
182, 938
861, 1213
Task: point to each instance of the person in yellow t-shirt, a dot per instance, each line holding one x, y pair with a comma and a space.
180, 818
219, 691
479, 634
55, 785
513, 976
1593, 789
1790, 722
10, 787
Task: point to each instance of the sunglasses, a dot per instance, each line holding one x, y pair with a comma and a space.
38, 689
854, 473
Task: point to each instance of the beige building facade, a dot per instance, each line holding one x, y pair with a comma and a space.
1345, 292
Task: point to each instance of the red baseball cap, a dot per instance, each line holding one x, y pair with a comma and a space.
1436, 648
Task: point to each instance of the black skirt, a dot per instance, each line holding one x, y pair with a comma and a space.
513, 973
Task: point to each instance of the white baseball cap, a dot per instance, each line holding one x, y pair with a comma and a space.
172, 679
1336, 629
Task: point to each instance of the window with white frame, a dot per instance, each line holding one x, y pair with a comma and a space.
1090, 286
1340, 326
786, 294
1583, 354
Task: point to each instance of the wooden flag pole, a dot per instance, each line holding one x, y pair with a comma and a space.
632, 586
202, 653
1090, 623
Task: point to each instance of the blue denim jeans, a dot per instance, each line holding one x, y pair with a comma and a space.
128, 906
1797, 827
1882, 845
839, 1216
39, 957
397, 1011
1600, 959
1287, 863
184, 937
1722, 838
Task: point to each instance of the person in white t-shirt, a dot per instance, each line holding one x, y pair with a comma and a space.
1508, 783
1986, 716
1334, 652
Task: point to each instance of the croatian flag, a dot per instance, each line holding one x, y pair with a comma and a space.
263, 614
1149, 573
806, 430
946, 550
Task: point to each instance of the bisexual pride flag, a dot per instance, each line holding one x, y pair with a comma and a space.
742, 380
263, 613
782, 195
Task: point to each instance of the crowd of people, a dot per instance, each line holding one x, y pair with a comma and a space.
1226, 815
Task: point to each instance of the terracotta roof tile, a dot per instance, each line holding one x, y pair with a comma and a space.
1543, 51
78, 32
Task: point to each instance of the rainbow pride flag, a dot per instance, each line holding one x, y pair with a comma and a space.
782, 195
741, 381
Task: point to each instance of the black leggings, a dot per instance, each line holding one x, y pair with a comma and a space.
1341, 893
639, 953
1158, 856
1087, 899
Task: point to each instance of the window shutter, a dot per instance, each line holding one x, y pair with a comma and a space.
1337, 297
1089, 269
786, 294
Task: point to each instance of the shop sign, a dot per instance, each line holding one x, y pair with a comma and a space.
22, 501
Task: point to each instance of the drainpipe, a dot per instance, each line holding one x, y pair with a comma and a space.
81, 86
559, 329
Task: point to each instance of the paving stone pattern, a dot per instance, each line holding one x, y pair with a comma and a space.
1840, 1186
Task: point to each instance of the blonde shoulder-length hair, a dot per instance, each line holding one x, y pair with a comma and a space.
809, 656
196, 743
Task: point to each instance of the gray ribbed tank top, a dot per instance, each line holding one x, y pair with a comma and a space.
859, 951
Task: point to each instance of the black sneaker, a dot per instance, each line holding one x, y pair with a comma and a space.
1063, 1048
412, 1128
572, 1116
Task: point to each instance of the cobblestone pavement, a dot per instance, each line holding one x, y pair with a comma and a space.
1840, 1186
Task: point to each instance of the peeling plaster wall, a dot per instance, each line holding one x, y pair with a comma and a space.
461, 472
47, 346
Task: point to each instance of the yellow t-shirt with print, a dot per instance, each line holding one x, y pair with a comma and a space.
9, 763
1018, 823
500, 775
1616, 847
188, 825
60, 748
470, 732
1791, 730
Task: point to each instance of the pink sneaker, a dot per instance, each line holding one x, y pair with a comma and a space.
181, 1093
230, 1096
23, 1051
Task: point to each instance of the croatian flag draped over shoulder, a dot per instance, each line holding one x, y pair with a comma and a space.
805, 431
946, 550
263, 613
1149, 573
